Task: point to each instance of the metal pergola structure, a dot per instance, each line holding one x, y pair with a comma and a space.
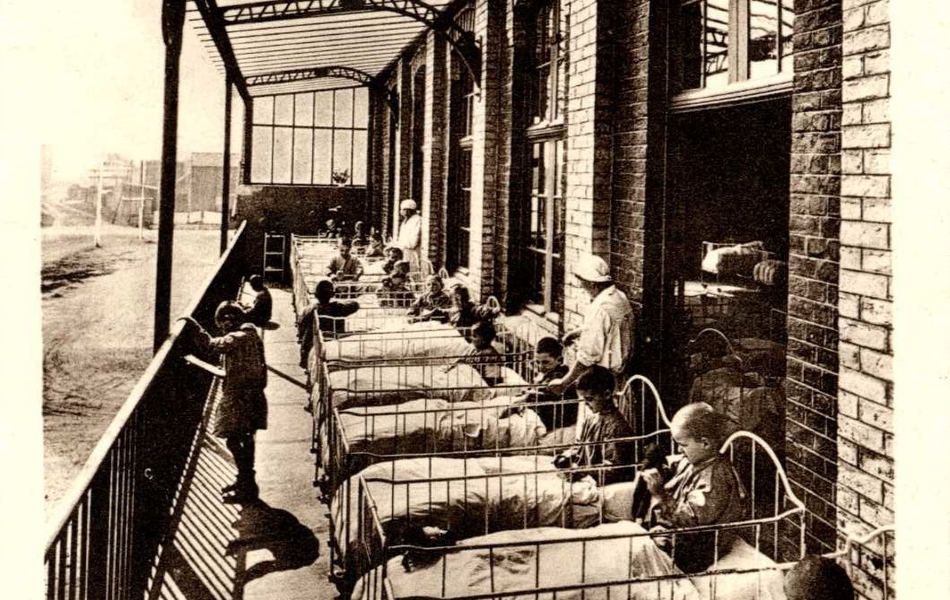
272, 47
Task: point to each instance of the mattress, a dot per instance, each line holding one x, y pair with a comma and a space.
374, 386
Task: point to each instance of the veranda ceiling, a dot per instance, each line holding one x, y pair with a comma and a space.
275, 47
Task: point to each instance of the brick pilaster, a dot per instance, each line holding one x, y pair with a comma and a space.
865, 427
589, 142
815, 185
433, 163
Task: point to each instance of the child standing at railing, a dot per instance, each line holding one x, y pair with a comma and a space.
243, 406
701, 487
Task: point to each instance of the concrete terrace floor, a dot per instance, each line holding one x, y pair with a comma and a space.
274, 549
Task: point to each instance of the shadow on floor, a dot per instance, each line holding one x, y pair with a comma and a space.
262, 527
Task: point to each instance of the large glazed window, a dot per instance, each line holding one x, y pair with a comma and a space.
544, 210
731, 41
462, 106
314, 138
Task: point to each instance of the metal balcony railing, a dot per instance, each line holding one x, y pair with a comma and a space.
104, 540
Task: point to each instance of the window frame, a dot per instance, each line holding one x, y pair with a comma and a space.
257, 121
547, 130
740, 86
462, 97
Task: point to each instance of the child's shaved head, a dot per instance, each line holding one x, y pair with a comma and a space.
700, 420
817, 577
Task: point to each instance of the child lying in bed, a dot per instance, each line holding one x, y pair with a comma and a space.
700, 488
482, 355
602, 432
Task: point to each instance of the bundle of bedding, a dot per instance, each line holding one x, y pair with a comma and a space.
734, 260
771, 272
472, 496
511, 564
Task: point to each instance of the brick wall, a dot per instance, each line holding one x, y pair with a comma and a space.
865, 410
589, 143
489, 31
403, 140
638, 155
812, 378
433, 162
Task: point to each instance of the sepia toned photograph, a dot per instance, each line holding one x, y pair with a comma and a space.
475, 300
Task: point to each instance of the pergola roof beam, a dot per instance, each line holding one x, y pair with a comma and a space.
309, 57
212, 20
433, 18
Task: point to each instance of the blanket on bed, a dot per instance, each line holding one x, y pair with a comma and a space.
432, 425
469, 570
398, 339
374, 386
483, 495
472, 568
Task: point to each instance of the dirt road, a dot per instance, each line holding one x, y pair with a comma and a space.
97, 331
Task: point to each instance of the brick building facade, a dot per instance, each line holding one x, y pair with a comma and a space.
663, 135
623, 132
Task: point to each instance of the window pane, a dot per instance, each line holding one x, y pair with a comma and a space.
264, 110
283, 150
359, 157
787, 27
303, 110
716, 38
322, 153
324, 110
284, 110
303, 159
360, 107
691, 19
342, 150
763, 38
343, 110
261, 154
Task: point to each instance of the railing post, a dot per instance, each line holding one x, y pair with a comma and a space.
173, 19
99, 550
226, 171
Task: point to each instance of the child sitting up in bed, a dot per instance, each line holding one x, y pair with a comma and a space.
465, 313
701, 487
374, 246
602, 440
393, 255
482, 355
549, 366
344, 266
330, 314
434, 304
393, 291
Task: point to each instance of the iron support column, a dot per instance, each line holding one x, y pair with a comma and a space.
173, 19
226, 172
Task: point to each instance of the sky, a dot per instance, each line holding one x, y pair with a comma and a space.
101, 84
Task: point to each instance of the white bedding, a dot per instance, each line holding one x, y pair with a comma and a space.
493, 496
374, 386
507, 571
434, 425
399, 339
